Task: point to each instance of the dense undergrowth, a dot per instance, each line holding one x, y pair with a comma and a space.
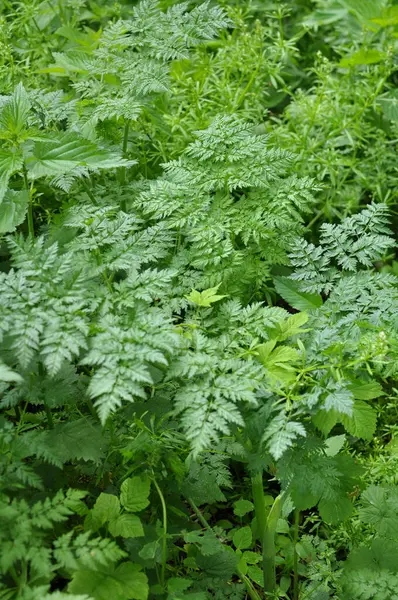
198, 300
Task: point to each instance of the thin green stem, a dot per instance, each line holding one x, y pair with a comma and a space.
295, 555
199, 515
91, 407
31, 227
47, 409
124, 152
259, 503
164, 537
125, 136
88, 191
253, 594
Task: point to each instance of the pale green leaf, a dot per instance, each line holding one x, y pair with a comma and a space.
127, 526
334, 444
8, 375
363, 57
126, 582
242, 507
366, 391
205, 298
242, 538
135, 493
106, 508
13, 209
11, 161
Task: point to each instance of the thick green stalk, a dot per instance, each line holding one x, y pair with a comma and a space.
259, 503
269, 545
164, 536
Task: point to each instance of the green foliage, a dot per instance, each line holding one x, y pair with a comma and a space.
198, 300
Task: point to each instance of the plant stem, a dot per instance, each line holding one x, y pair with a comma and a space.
91, 407
164, 537
88, 191
259, 503
295, 555
124, 151
199, 515
31, 227
269, 545
249, 586
47, 409
126, 136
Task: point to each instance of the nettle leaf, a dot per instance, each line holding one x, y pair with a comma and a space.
290, 291
13, 209
11, 161
14, 112
361, 423
134, 494
81, 439
67, 152
366, 391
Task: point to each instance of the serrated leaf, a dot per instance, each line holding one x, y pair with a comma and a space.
127, 526
106, 508
134, 493
363, 57
366, 391
339, 399
205, 298
335, 511
14, 113
126, 582
362, 422
325, 420
290, 326
242, 538
221, 565
10, 162
8, 375
289, 290
68, 152
13, 209
80, 439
